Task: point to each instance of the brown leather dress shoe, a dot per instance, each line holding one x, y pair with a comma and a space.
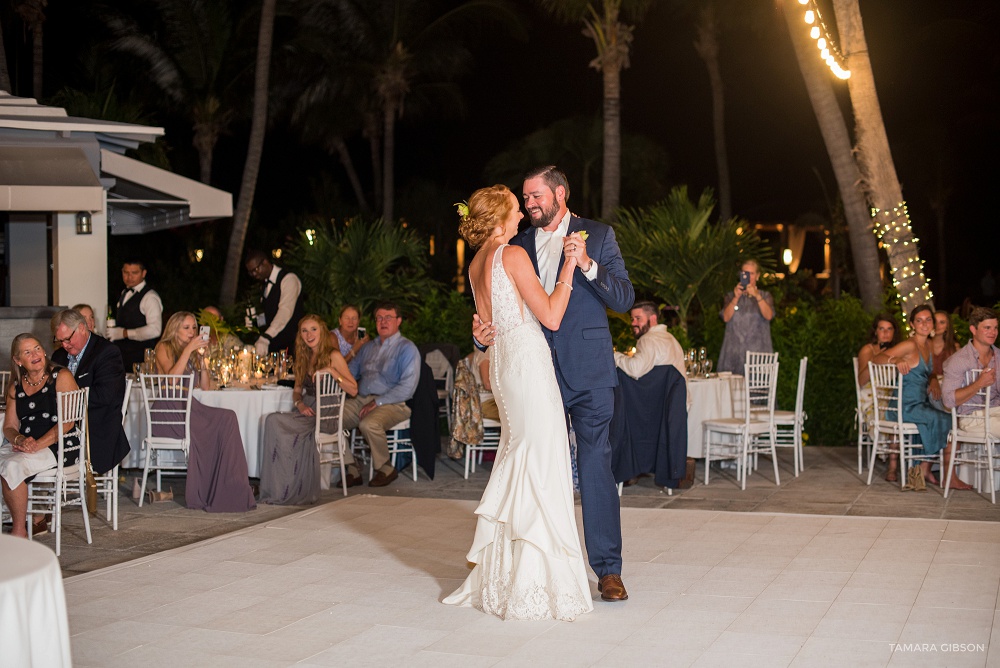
612, 588
383, 479
354, 480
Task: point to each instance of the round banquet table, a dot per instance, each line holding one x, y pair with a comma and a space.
34, 629
250, 406
710, 398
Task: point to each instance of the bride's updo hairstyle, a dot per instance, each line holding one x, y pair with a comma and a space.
488, 208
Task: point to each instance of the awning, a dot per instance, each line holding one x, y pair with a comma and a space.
58, 178
145, 198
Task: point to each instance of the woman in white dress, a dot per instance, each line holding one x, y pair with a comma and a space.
528, 563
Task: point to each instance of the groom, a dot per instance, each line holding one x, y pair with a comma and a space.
582, 353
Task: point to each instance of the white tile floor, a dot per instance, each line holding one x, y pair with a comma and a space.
358, 582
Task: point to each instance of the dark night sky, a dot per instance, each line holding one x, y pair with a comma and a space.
935, 67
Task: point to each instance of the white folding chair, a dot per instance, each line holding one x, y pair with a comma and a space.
107, 482
491, 441
760, 383
167, 400
890, 435
329, 434
789, 424
977, 435
444, 378
861, 414
397, 438
760, 358
49, 491
4, 379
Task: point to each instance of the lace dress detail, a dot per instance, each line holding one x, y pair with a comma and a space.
526, 550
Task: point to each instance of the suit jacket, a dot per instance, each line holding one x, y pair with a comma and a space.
649, 431
582, 345
424, 425
101, 370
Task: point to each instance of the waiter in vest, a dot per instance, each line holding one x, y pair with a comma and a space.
138, 316
281, 303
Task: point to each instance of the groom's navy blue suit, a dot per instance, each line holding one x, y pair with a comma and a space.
583, 357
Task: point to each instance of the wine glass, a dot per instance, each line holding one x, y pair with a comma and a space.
708, 368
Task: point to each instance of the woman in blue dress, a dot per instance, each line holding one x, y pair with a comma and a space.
914, 359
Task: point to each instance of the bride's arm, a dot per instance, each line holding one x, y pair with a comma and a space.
549, 309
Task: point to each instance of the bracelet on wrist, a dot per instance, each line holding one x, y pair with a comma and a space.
566, 284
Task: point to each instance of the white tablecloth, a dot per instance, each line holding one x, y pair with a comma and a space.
250, 406
710, 398
34, 629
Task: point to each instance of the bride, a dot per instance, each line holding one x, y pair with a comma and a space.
526, 552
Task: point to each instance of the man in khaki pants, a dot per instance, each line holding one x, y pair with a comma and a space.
387, 369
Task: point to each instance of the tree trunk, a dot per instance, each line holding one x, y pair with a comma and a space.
864, 249
707, 46
388, 146
4, 72
352, 175
258, 123
204, 143
612, 168
880, 182
37, 53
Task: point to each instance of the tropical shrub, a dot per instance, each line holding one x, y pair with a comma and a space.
443, 316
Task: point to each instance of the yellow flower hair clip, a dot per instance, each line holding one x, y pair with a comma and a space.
463, 209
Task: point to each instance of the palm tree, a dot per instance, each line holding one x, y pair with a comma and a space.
410, 52
195, 59
838, 144
32, 12
4, 72
612, 38
880, 183
237, 237
674, 252
707, 46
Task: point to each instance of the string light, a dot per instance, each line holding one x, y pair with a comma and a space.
894, 224
824, 43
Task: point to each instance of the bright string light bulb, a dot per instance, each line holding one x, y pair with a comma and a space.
810, 16
821, 43
814, 32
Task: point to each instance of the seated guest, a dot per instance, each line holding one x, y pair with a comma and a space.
217, 475
914, 360
290, 471
97, 364
980, 353
654, 346
388, 371
347, 334
882, 335
943, 345
30, 426
88, 314
212, 317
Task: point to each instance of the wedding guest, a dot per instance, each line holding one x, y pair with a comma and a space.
654, 346
914, 359
388, 370
97, 364
290, 472
882, 335
280, 303
29, 426
943, 345
347, 333
138, 316
748, 312
217, 474
979, 354
88, 314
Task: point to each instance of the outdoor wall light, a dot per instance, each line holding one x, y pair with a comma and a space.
786, 256
84, 223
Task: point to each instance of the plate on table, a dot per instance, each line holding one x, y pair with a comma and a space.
270, 386
234, 389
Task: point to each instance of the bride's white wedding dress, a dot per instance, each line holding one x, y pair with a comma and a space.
526, 550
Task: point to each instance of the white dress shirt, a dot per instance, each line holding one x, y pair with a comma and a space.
548, 250
657, 347
291, 286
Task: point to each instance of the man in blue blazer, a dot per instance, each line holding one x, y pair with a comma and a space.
582, 353
96, 363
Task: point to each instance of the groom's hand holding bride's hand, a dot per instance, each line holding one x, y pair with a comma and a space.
575, 247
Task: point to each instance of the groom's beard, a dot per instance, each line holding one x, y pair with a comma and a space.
546, 217
640, 330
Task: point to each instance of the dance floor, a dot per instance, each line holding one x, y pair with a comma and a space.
358, 583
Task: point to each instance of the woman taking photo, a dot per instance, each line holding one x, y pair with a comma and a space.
747, 313
290, 471
30, 427
914, 359
217, 476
